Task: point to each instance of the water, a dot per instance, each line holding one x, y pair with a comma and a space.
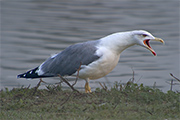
32, 30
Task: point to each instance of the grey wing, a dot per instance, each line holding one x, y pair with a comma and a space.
68, 61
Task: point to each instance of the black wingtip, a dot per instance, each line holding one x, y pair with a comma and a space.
19, 76
32, 74
22, 75
29, 74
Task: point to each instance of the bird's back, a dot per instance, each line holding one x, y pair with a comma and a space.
66, 62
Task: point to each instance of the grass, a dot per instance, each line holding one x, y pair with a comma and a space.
124, 102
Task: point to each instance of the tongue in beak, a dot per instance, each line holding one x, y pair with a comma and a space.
147, 44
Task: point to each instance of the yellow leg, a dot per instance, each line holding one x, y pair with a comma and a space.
87, 87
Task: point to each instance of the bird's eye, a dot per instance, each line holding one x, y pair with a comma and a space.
143, 35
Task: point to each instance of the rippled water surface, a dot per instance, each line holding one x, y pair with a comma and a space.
33, 30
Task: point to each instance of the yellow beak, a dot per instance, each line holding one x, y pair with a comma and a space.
158, 39
146, 43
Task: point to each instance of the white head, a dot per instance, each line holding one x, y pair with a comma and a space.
142, 38
122, 40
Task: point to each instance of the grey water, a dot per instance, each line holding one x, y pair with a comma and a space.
32, 30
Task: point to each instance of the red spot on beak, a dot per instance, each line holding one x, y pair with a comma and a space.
153, 53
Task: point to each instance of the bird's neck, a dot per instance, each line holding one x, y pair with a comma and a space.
117, 42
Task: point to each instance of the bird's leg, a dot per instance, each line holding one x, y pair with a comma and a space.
87, 87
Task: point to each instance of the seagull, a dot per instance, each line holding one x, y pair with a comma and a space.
92, 59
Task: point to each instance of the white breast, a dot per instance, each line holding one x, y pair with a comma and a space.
102, 66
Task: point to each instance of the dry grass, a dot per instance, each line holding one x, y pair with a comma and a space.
129, 101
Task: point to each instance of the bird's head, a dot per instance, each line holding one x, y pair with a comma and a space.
143, 38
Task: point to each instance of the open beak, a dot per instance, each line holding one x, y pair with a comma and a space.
147, 44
